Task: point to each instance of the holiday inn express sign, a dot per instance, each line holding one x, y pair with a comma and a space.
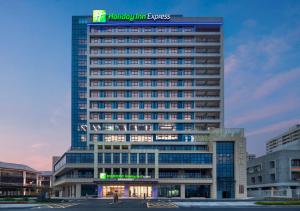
100, 16
104, 176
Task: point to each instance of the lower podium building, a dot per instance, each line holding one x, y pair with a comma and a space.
212, 168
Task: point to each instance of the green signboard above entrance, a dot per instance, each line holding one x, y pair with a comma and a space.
104, 176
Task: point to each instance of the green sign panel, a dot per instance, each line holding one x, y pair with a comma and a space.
100, 16
104, 176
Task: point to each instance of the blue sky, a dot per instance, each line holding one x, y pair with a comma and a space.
262, 69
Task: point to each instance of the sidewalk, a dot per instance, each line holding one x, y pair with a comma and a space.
6, 206
214, 204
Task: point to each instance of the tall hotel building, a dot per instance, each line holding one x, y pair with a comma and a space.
148, 111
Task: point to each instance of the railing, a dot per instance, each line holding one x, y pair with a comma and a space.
227, 132
282, 193
187, 177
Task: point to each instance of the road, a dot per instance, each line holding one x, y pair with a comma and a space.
157, 205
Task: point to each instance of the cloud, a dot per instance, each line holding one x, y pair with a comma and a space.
274, 83
62, 112
269, 110
38, 145
274, 127
249, 23
256, 51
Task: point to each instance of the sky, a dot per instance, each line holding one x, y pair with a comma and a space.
261, 55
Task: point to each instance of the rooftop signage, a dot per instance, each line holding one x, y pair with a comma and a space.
100, 16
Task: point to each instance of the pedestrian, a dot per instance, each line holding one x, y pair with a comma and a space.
114, 197
117, 197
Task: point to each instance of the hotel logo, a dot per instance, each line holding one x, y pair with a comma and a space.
99, 16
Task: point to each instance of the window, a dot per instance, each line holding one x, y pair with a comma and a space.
225, 169
253, 180
259, 178
141, 138
272, 164
147, 116
166, 137
114, 138
241, 188
185, 158
142, 158
295, 162
116, 157
107, 157
79, 158
151, 158
124, 158
133, 158
272, 177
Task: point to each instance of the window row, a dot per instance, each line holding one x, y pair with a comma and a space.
154, 72
165, 50
139, 138
141, 116
185, 158
142, 94
141, 127
149, 50
156, 39
141, 105
155, 105
95, 29
153, 61
154, 83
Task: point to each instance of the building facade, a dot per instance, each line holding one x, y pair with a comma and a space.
277, 174
147, 102
21, 180
290, 139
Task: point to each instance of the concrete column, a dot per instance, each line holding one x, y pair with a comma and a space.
129, 171
100, 189
289, 192
213, 187
126, 191
146, 172
137, 172
74, 194
182, 191
24, 183
156, 173
96, 175
78, 190
272, 191
71, 190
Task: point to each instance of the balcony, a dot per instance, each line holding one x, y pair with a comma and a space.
98, 76
131, 34
151, 44
122, 66
153, 88
153, 55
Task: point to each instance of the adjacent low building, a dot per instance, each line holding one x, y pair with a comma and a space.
22, 180
276, 174
288, 139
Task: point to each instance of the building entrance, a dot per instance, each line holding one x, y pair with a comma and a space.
140, 191
108, 191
